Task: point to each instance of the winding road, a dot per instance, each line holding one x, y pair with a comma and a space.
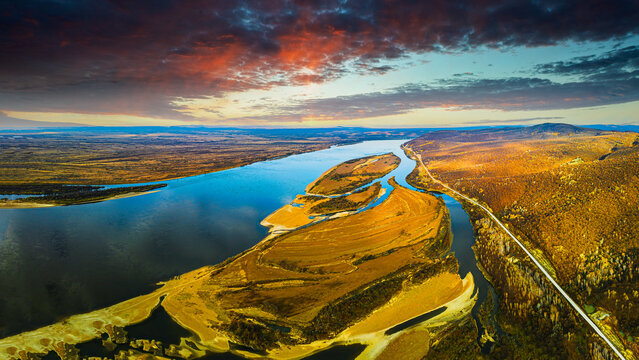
532, 257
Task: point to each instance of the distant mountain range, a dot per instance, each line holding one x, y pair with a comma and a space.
541, 131
10, 123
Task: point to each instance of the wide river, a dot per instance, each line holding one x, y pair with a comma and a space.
60, 261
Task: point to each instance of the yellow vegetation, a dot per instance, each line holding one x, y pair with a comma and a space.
352, 174
307, 209
413, 344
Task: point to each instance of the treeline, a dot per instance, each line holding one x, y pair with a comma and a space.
255, 336
337, 316
354, 182
530, 308
609, 281
43, 189
85, 194
342, 203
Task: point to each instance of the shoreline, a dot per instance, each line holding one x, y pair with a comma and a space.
223, 168
449, 289
25, 205
12, 204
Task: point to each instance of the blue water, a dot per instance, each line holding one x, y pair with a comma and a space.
463, 240
66, 260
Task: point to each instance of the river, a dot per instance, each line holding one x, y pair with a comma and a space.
59, 261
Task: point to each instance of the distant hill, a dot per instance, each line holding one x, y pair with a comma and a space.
564, 129
541, 131
633, 128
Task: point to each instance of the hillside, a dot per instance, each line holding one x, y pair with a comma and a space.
572, 194
539, 132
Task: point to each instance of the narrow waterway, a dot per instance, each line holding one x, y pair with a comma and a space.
462, 244
66, 260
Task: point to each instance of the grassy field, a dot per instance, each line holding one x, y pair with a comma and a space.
352, 174
339, 181
320, 280
306, 209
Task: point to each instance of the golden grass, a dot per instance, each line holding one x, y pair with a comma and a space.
321, 258
291, 216
410, 345
287, 280
352, 174
397, 222
413, 302
288, 217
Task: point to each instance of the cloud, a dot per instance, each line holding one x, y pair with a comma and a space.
135, 57
616, 64
610, 78
509, 94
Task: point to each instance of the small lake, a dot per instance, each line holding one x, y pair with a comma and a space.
59, 261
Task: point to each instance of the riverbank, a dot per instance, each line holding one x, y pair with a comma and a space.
17, 205
374, 277
150, 154
456, 297
66, 198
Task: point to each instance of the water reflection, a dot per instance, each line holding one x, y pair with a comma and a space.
65, 260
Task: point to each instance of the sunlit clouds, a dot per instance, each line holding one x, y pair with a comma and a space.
296, 63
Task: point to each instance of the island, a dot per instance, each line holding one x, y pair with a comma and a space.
60, 195
340, 190
382, 278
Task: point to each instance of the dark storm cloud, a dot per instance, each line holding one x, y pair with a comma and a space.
510, 94
616, 64
134, 57
609, 78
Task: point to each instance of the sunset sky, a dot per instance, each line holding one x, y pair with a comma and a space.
319, 63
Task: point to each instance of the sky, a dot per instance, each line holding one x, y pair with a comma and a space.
277, 63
